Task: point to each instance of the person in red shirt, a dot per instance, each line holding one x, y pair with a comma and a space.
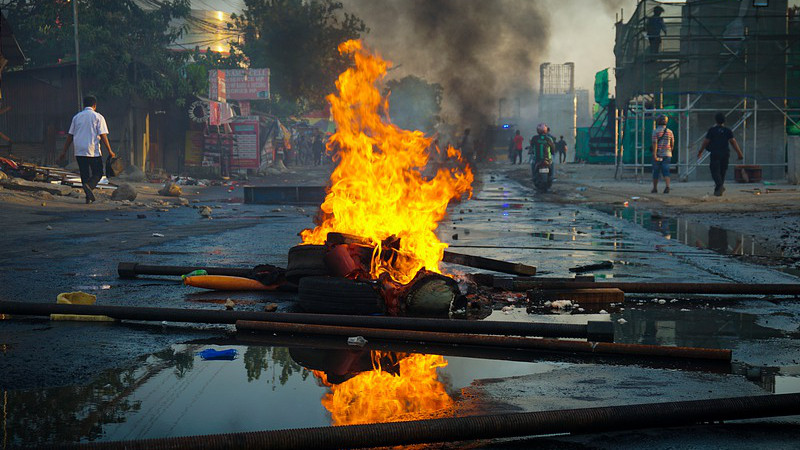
518, 139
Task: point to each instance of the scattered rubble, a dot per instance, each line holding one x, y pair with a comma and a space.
124, 191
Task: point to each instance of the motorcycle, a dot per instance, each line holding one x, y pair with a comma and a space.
542, 172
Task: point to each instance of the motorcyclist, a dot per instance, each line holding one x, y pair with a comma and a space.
541, 150
541, 145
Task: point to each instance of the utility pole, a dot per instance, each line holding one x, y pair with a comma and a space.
77, 54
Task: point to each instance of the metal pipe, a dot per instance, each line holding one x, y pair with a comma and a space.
132, 269
665, 288
571, 421
601, 348
599, 330
471, 351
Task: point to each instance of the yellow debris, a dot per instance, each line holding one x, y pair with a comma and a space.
78, 298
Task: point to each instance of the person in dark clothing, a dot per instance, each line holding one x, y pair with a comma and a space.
561, 148
317, 148
656, 26
717, 141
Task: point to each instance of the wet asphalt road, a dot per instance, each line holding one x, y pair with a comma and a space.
161, 388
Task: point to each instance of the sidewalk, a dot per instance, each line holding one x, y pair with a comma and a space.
595, 183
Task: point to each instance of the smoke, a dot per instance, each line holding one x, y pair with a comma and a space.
479, 51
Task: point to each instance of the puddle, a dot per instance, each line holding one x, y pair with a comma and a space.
173, 393
713, 238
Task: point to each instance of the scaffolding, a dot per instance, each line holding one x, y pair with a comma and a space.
557, 98
715, 56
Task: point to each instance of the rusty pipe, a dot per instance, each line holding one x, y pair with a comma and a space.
663, 288
595, 330
554, 345
132, 269
453, 429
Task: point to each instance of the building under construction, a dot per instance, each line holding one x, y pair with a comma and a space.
557, 99
738, 57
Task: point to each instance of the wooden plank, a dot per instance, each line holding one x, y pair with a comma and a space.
479, 262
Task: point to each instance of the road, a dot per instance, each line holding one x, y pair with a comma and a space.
133, 380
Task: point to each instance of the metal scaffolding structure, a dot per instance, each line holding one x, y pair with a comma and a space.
711, 56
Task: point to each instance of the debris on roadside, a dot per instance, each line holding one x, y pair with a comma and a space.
595, 266
170, 189
222, 355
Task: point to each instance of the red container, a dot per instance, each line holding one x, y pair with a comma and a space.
747, 173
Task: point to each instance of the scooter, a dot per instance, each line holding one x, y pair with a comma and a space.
542, 172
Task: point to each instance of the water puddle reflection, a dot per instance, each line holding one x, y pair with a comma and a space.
176, 392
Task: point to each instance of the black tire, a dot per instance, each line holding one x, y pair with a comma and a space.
304, 261
331, 295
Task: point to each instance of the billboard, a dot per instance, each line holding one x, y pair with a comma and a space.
241, 84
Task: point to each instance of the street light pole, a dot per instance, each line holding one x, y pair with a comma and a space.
77, 54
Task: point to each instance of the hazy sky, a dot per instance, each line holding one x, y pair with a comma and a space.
582, 31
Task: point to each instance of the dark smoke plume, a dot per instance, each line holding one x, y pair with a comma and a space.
479, 51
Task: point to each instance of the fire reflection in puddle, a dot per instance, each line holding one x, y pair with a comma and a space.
399, 387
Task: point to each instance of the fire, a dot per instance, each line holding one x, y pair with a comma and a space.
377, 189
380, 396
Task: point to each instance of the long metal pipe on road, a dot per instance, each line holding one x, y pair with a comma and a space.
594, 330
663, 288
553, 345
572, 421
132, 269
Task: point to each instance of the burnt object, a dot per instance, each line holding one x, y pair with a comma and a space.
603, 265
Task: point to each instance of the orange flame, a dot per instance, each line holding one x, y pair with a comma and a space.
379, 396
377, 189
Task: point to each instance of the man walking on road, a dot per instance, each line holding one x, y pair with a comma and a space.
716, 142
561, 148
87, 131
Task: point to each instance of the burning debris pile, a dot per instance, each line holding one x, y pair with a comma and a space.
378, 199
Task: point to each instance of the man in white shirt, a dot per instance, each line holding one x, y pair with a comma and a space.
87, 131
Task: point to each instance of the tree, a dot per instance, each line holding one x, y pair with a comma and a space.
124, 47
297, 40
414, 103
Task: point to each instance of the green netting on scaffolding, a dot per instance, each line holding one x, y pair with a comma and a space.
629, 137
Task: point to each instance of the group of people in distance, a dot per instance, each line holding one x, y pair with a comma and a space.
541, 145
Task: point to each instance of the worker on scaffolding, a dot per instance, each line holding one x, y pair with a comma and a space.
656, 26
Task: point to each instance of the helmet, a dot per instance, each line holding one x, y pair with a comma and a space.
542, 128
661, 119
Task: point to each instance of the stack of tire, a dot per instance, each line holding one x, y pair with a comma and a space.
319, 292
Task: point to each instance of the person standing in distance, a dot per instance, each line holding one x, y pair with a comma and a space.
518, 140
663, 141
716, 142
87, 131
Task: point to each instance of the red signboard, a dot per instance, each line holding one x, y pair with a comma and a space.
216, 85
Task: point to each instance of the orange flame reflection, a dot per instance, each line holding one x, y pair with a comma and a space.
379, 396
377, 189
